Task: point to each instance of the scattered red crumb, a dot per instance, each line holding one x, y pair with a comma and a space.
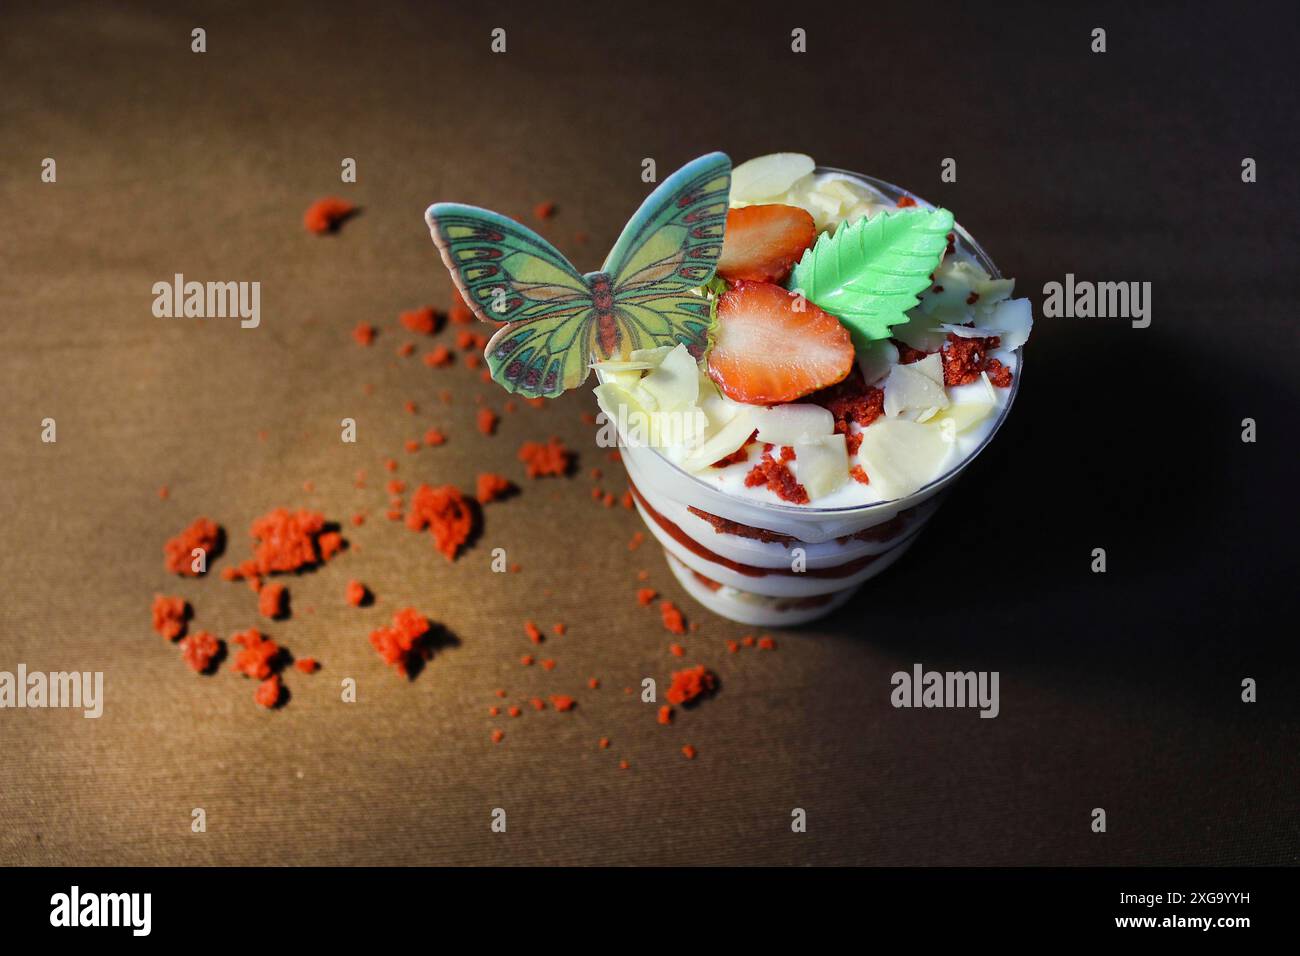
588, 418
859, 474
498, 736
308, 665
500, 692
509, 406
748, 640
623, 765
550, 459
199, 651
412, 445
325, 215
258, 657
609, 500
852, 400
163, 493
672, 617
447, 514
357, 593
965, 358
440, 357
628, 502
732, 646
474, 360
559, 629
544, 210
395, 486
548, 664
460, 313
677, 650
400, 644
596, 474
465, 339
268, 692
514, 711
533, 631
688, 752
494, 711
271, 601
905, 201
516, 568
766, 643
422, 321
178, 556
688, 685
169, 614
526, 660
289, 541
390, 464
538, 703
665, 715
644, 596
563, 702
433, 438
906, 354
635, 541
643, 575
406, 349
774, 475
395, 514
596, 494
487, 421
593, 683
603, 743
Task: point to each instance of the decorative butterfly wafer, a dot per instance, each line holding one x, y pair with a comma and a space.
556, 320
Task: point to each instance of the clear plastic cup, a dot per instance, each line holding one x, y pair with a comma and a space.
768, 582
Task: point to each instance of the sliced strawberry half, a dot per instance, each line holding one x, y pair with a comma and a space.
762, 243
770, 346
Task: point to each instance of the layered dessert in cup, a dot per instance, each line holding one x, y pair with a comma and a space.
777, 476
795, 363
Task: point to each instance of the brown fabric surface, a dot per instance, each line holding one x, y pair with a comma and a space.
1118, 691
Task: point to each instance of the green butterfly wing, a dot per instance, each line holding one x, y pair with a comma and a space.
542, 356
505, 272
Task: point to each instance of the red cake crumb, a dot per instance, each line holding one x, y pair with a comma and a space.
199, 650
544, 210
308, 665
748, 640
773, 474
851, 401
412, 445
406, 349
326, 215
169, 614
676, 650
737, 456
357, 593
178, 552
690, 684
623, 765
965, 358
440, 357
447, 514
433, 438
500, 692
400, 644
688, 752
906, 354
593, 683
665, 715
859, 474
603, 743
163, 492
542, 460
421, 321
562, 702
533, 632
905, 201
559, 629
548, 664
635, 541
733, 646
498, 736
268, 692
627, 501
538, 703
645, 596
258, 657
289, 541
474, 360
527, 660
766, 643
465, 339
494, 711
271, 601
487, 421
390, 464
514, 711
395, 486
672, 617
460, 313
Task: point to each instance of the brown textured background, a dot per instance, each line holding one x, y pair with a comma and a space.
1119, 691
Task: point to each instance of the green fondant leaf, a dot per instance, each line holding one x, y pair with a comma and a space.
869, 273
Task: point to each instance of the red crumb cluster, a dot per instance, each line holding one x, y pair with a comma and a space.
672, 617
447, 514
325, 215
357, 593
690, 684
199, 651
964, 359
364, 333
775, 475
549, 459
401, 644
852, 400
421, 321
259, 656
646, 596
271, 601
178, 552
268, 692
440, 357
288, 541
739, 455
308, 665
169, 614
487, 421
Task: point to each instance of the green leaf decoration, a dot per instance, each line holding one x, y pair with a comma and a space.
870, 272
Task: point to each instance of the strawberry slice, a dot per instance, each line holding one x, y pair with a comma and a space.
770, 346
762, 243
